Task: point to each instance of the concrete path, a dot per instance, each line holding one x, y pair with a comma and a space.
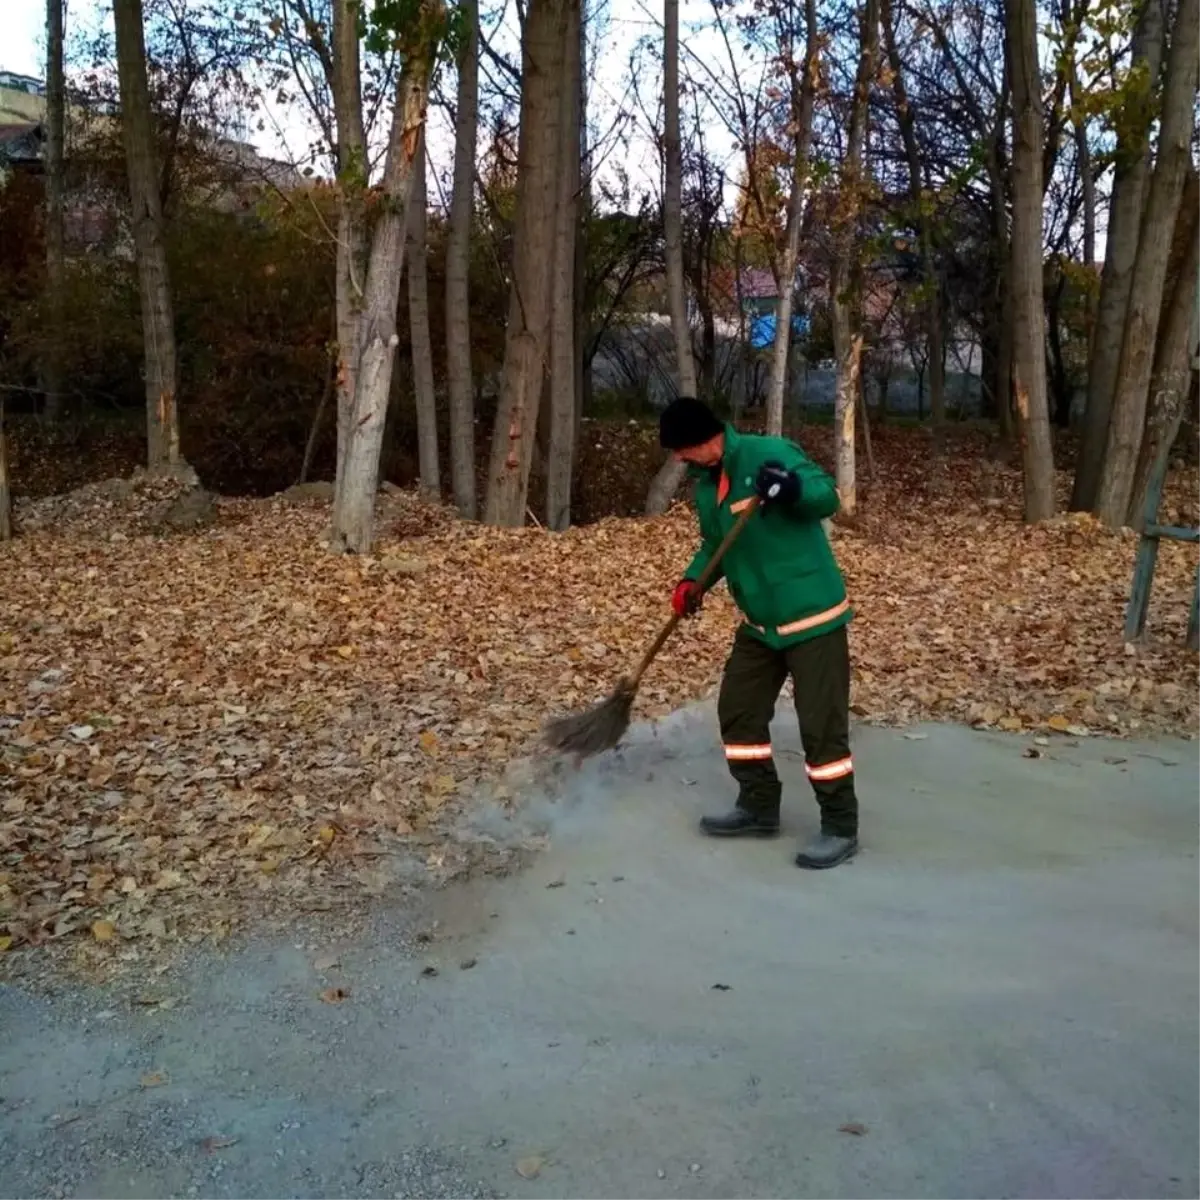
998, 998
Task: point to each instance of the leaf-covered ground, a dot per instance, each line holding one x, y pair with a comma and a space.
201, 727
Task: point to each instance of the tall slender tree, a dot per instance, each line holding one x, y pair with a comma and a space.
154, 283
802, 81
343, 70
53, 381
666, 483
1131, 169
1029, 342
845, 287
1176, 350
1150, 267
458, 262
417, 42
424, 386
921, 205
526, 349
565, 352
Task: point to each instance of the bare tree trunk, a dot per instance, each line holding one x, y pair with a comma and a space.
354, 499
1131, 169
1146, 291
1176, 349
924, 222
6, 525
345, 81
564, 350
1029, 339
1087, 183
527, 337
458, 263
685, 366
53, 380
803, 97
154, 284
424, 387
845, 277
670, 475
583, 361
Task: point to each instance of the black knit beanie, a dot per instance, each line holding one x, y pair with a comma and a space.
687, 422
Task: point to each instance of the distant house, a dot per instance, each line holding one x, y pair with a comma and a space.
14, 82
760, 296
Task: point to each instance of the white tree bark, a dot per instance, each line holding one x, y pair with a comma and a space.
354, 499
345, 80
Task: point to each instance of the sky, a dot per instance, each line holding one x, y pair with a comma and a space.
287, 134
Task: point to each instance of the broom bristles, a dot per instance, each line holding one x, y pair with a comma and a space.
595, 730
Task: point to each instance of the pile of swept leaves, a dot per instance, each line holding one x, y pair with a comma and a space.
197, 727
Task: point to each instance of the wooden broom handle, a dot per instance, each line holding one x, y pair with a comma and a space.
706, 576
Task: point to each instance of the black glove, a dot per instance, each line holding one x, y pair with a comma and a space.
776, 484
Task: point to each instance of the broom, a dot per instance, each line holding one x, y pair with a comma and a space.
602, 726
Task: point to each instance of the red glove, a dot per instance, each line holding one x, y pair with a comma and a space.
686, 598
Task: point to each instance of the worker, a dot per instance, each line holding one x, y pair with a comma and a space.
782, 574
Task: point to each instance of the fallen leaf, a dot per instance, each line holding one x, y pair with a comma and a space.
557, 883
722, 987
6, 941
346, 651
335, 995
326, 834
429, 971
103, 931
81, 733
853, 1128
1010, 724
428, 741
255, 724
211, 1144
155, 1079
531, 1167
466, 964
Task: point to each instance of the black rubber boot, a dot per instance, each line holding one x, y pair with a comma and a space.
740, 822
827, 850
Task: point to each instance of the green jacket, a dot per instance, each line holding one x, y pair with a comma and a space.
781, 571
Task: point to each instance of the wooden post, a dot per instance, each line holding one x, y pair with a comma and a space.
1193, 629
1147, 558
6, 527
